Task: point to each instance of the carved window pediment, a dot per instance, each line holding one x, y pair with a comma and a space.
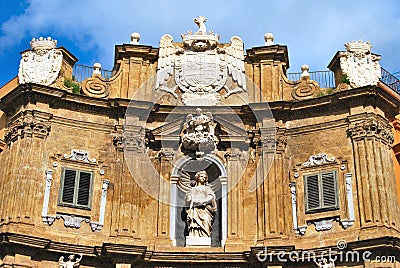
76, 186
321, 193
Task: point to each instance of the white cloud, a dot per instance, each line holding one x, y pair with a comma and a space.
313, 30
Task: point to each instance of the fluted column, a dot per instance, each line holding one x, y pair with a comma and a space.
273, 148
372, 137
235, 202
26, 141
165, 156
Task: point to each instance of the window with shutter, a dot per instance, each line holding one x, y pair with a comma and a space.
75, 189
321, 191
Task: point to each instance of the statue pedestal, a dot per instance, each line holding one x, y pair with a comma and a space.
198, 241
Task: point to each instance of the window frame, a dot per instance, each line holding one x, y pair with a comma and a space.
75, 203
321, 207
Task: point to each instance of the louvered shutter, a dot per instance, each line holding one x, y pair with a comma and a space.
68, 189
312, 192
84, 188
329, 192
321, 191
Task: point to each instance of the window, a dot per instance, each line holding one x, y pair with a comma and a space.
321, 191
76, 188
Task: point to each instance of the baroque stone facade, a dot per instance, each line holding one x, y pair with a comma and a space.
110, 177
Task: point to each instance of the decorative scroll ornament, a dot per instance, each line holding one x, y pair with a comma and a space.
359, 64
41, 64
318, 159
96, 86
80, 155
306, 88
200, 68
199, 135
72, 221
323, 225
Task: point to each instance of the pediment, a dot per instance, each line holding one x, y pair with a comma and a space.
172, 130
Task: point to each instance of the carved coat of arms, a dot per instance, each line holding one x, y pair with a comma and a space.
360, 65
200, 67
41, 64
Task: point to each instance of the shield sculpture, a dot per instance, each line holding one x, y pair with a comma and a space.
200, 70
200, 75
40, 66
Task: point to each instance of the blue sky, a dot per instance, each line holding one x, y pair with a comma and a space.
313, 30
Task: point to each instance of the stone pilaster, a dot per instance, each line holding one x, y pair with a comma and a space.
273, 146
372, 137
265, 67
165, 169
130, 148
135, 65
235, 195
26, 135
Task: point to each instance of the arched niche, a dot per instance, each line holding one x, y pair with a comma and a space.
181, 178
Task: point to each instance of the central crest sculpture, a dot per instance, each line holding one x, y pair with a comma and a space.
200, 68
199, 135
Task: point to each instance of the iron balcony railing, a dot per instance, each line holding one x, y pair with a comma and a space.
82, 72
325, 79
390, 80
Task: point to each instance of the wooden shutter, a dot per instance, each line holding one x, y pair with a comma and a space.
321, 191
84, 188
68, 189
312, 192
329, 192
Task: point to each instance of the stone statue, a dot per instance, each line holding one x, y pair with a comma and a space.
202, 208
70, 263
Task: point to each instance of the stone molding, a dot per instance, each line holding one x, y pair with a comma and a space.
73, 221
318, 159
80, 155
298, 229
323, 225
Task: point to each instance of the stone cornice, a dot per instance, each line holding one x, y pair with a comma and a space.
115, 108
58, 98
47, 249
276, 53
127, 51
